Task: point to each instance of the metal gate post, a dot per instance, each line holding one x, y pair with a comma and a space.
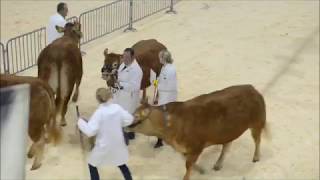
171, 10
130, 28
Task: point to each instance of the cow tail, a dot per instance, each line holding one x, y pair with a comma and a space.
54, 129
266, 126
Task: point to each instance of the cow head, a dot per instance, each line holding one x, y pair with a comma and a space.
110, 67
72, 30
148, 120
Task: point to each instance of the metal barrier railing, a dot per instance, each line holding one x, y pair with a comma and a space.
145, 8
103, 20
3, 63
23, 51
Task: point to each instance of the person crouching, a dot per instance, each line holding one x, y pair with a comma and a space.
106, 124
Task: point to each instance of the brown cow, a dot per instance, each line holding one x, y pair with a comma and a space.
215, 118
42, 115
147, 56
60, 65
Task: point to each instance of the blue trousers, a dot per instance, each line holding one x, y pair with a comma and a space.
94, 174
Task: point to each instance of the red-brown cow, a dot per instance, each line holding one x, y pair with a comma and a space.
42, 115
147, 56
60, 65
215, 118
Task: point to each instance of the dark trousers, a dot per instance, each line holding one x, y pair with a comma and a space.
94, 174
128, 136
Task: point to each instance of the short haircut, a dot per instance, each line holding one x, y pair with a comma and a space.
130, 50
60, 6
103, 95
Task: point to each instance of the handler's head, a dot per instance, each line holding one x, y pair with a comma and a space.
103, 95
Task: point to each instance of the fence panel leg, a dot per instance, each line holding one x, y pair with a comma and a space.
171, 10
130, 28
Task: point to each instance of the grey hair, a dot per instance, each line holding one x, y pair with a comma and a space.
166, 55
103, 95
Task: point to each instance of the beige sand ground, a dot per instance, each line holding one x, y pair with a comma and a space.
273, 45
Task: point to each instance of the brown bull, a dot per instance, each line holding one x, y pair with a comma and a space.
42, 115
215, 118
147, 56
60, 65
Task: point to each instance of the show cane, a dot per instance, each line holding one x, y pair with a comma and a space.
80, 133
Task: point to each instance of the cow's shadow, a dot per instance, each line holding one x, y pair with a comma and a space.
237, 159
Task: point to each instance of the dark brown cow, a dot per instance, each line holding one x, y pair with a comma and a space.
215, 118
42, 115
147, 56
60, 65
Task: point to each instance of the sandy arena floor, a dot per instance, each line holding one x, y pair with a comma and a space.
273, 45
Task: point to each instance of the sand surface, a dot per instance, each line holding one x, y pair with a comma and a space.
273, 45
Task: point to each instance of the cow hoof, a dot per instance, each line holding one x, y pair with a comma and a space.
63, 124
30, 155
199, 169
35, 166
217, 167
255, 160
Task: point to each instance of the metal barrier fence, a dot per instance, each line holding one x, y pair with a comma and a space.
3, 64
145, 8
118, 14
104, 20
23, 51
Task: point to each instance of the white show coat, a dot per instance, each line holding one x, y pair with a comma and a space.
107, 123
167, 84
52, 33
130, 79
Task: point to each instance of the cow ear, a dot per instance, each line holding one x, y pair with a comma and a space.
105, 52
60, 29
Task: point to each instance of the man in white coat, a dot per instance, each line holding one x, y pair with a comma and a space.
106, 124
166, 84
129, 79
57, 19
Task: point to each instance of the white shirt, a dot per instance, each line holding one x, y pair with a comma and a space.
52, 33
107, 123
167, 84
130, 79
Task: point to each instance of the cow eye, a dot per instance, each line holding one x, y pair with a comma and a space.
115, 65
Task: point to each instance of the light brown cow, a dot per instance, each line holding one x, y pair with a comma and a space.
215, 118
147, 56
42, 115
60, 65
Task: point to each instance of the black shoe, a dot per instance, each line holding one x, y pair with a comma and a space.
131, 135
158, 144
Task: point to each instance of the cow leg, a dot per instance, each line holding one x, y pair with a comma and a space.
65, 107
219, 163
256, 134
191, 160
39, 149
144, 95
59, 105
76, 93
31, 151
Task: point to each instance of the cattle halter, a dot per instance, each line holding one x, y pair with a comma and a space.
163, 110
